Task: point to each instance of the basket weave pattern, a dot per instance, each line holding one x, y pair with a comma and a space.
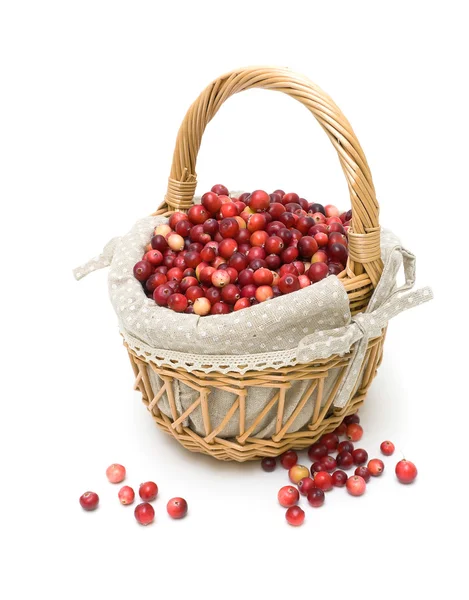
359, 279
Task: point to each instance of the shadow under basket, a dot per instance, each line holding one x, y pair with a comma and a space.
246, 446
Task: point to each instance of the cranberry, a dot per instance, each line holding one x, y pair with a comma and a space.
319, 217
259, 201
339, 478
360, 456
406, 471
258, 263
163, 229
316, 497
192, 294
289, 283
322, 239
280, 193
228, 209
269, 464
198, 214
158, 242
305, 485
144, 513
154, 257
220, 278
154, 281
248, 291
238, 261
344, 459
376, 467
177, 508
263, 277
213, 294
331, 211
328, 463
288, 496
288, 459
89, 500
337, 252
178, 302
143, 270
354, 432
364, 473
230, 293
246, 277
356, 485
115, 473
259, 238
242, 303
192, 259
341, 430
387, 448
220, 308
345, 446
227, 247
263, 293
183, 228
320, 256
148, 491
175, 242
297, 473
317, 451
187, 282
323, 481
202, 306
316, 466
126, 494
330, 440
220, 189
295, 516
256, 222
318, 271
276, 209
307, 246
289, 254
175, 274
229, 227
161, 294
315, 208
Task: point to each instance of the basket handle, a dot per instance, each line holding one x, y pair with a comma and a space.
364, 241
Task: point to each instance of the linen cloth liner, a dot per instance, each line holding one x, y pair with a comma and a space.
314, 322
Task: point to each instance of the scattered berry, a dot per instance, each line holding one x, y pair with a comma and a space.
288, 496
375, 467
144, 513
406, 471
323, 481
126, 495
305, 485
317, 451
177, 508
339, 478
356, 485
344, 460
295, 516
316, 497
363, 472
354, 432
360, 457
148, 491
288, 459
89, 500
268, 464
330, 440
115, 473
387, 448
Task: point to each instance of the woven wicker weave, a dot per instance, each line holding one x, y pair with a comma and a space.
361, 276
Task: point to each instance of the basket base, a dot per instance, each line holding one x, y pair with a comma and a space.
246, 446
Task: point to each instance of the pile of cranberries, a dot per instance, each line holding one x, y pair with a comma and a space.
227, 253
327, 471
144, 512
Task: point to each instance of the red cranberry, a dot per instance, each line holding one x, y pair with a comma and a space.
246, 277
89, 500
315, 208
175, 274
288, 283
161, 294
307, 246
341, 429
345, 446
211, 202
257, 222
158, 242
349, 419
263, 293
220, 278
228, 209
337, 227
259, 201
305, 485
187, 282
330, 440
280, 193
273, 261
317, 451
126, 494
268, 464
177, 508
406, 471
288, 459
356, 485
148, 491
243, 236
322, 239
213, 294
354, 432
115, 473
192, 294
387, 448
220, 189
316, 497
211, 227
318, 271
257, 263
263, 277
220, 308
344, 460
323, 481
238, 261
304, 224
154, 257
316, 467
178, 302
198, 214
364, 473
144, 513
192, 259
276, 209
229, 227
227, 247
337, 252
248, 291
242, 303
154, 281
339, 478
288, 496
230, 293
295, 516
259, 238
256, 253
360, 456
375, 467
289, 255
328, 463
143, 270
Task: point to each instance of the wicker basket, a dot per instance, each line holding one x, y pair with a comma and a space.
359, 279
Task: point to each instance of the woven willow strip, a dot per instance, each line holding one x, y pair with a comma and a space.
360, 277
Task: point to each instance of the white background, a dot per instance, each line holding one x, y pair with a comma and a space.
92, 94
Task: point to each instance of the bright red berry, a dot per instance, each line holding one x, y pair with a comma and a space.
89, 500
406, 471
288, 459
295, 516
376, 467
144, 513
177, 508
316, 497
387, 448
268, 464
288, 496
354, 432
126, 495
148, 491
356, 485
